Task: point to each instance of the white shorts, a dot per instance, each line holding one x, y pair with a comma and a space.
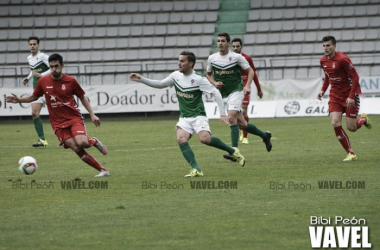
234, 101
194, 124
40, 100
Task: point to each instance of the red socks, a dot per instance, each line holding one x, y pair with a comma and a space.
87, 158
360, 122
245, 133
343, 139
91, 141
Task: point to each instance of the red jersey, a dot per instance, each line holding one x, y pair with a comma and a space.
244, 74
342, 75
59, 95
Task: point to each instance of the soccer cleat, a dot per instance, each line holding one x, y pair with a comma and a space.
40, 143
103, 173
239, 157
241, 136
99, 145
267, 142
229, 157
350, 157
368, 123
245, 141
194, 173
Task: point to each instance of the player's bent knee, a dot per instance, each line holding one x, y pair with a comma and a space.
205, 140
352, 128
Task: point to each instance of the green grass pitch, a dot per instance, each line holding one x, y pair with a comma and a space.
143, 151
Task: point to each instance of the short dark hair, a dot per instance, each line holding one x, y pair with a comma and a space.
225, 34
56, 57
237, 40
190, 56
329, 38
34, 38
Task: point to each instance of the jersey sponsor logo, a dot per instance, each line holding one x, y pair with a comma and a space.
338, 79
49, 87
185, 95
224, 72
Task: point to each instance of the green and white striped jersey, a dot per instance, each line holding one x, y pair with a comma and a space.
38, 63
189, 90
227, 69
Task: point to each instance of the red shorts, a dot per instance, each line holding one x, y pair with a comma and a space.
75, 129
336, 105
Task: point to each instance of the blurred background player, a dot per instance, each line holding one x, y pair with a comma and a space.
237, 46
341, 74
39, 66
65, 117
224, 72
190, 88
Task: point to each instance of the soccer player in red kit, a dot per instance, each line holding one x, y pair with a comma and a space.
237, 46
65, 118
341, 74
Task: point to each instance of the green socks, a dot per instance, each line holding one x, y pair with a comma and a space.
39, 128
252, 129
218, 143
234, 135
189, 155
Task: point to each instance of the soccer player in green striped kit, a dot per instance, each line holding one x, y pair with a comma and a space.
39, 66
189, 88
224, 72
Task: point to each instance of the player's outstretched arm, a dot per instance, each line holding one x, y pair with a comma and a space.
158, 84
135, 77
15, 99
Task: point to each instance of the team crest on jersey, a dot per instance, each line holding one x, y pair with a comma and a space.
63, 87
230, 59
192, 81
333, 65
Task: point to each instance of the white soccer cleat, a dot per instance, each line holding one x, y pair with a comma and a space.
102, 173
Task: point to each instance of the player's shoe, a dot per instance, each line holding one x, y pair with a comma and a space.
103, 173
194, 173
368, 123
239, 157
241, 138
267, 142
229, 157
350, 157
100, 146
245, 141
40, 143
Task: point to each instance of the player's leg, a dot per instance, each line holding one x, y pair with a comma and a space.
204, 134
233, 117
244, 137
354, 123
252, 129
184, 132
336, 121
86, 142
76, 138
36, 110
